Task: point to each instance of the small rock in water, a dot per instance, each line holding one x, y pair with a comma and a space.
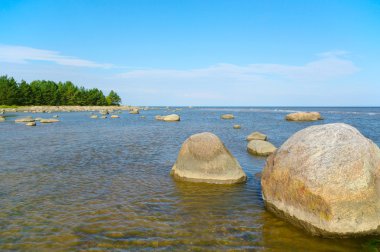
25, 120
228, 116
256, 136
168, 118
49, 120
2, 118
134, 111
31, 124
237, 126
94, 116
260, 148
204, 158
55, 116
115, 116
104, 117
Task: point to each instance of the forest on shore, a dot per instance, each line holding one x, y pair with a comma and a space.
42, 92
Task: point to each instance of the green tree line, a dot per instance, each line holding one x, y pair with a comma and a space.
42, 92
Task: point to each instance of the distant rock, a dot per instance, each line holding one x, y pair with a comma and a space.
94, 116
304, 116
260, 148
115, 116
134, 111
55, 116
24, 120
38, 119
104, 112
168, 118
256, 136
103, 117
31, 124
49, 120
237, 126
326, 179
204, 158
227, 116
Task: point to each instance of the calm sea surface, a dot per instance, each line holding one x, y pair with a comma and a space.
103, 184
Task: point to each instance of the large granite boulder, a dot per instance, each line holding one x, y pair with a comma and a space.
256, 136
260, 148
304, 116
204, 158
326, 179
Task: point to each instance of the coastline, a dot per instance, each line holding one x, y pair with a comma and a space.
47, 109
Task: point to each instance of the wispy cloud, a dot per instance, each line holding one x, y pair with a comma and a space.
329, 65
23, 55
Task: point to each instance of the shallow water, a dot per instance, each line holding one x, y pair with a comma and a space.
103, 184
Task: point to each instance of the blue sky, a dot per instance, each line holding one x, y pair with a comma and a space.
206, 52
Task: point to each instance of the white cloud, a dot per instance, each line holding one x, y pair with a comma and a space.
23, 55
329, 65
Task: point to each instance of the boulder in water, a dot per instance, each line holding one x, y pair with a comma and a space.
25, 120
49, 120
227, 116
326, 179
304, 116
256, 136
260, 148
204, 158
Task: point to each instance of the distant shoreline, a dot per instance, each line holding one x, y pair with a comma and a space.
47, 109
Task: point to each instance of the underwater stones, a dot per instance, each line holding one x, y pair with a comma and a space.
227, 116
204, 158
256, 136
260, 148
237, 126
304, 116
326, 179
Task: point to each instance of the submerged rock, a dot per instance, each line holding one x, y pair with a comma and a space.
326, 179
237, 126
256, 136
103, 117
2, 118
260, 148
94, 116
304, 116
227, 116
31, 124
55, 116
204, 158
115, 116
